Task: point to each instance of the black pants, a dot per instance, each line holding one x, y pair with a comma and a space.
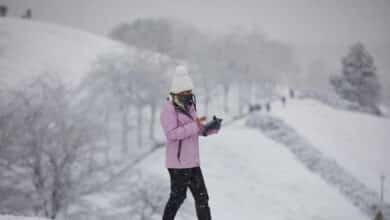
180, 180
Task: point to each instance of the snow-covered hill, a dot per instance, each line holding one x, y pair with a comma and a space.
29, 47
358, 142
249, 176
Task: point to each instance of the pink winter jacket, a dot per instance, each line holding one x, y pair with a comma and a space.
178, 126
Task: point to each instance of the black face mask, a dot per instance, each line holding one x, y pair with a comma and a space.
187, 99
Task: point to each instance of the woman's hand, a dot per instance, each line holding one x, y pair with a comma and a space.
200, 121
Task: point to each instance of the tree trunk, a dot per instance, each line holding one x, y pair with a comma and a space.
107, 120
107, 135
125, 130
241, 96
206, 103
39, 182
139, 126
252, 92
153, 112
226, 89
55, 197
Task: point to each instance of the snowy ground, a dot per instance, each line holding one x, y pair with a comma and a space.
250, 176
358, 142
11, 217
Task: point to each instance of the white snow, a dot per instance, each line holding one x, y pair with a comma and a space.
250, 177
29, 47
11, 217
359, 142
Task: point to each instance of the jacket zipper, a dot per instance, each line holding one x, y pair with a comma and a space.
177, 121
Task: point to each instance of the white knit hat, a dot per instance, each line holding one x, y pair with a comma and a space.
181, 81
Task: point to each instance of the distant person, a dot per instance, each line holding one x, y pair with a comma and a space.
28, 14
291, 91
182, 129
255, 107
3, 11
283, 99
379, 215
258, 107
268, 107
252, 108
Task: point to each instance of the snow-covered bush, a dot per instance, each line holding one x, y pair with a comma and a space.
144, 199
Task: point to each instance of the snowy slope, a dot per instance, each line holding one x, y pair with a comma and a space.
11, 217
30, 47
358, 142
251, 177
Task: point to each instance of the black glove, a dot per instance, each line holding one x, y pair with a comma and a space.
213, 124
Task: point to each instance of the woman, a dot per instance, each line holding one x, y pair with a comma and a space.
182, 128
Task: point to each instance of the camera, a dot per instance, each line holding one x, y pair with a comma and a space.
215, 123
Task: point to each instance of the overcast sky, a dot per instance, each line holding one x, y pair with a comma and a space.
316, 29
295, 21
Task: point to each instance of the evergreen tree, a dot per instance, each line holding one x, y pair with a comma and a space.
359, 82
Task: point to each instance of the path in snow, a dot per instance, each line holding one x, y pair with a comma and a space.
250, 176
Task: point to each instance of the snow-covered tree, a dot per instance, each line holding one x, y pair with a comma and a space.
107, 87
148, 74
227, 48
154, 69
242, 57
147, 33
359, 82
49, 149
125, 82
